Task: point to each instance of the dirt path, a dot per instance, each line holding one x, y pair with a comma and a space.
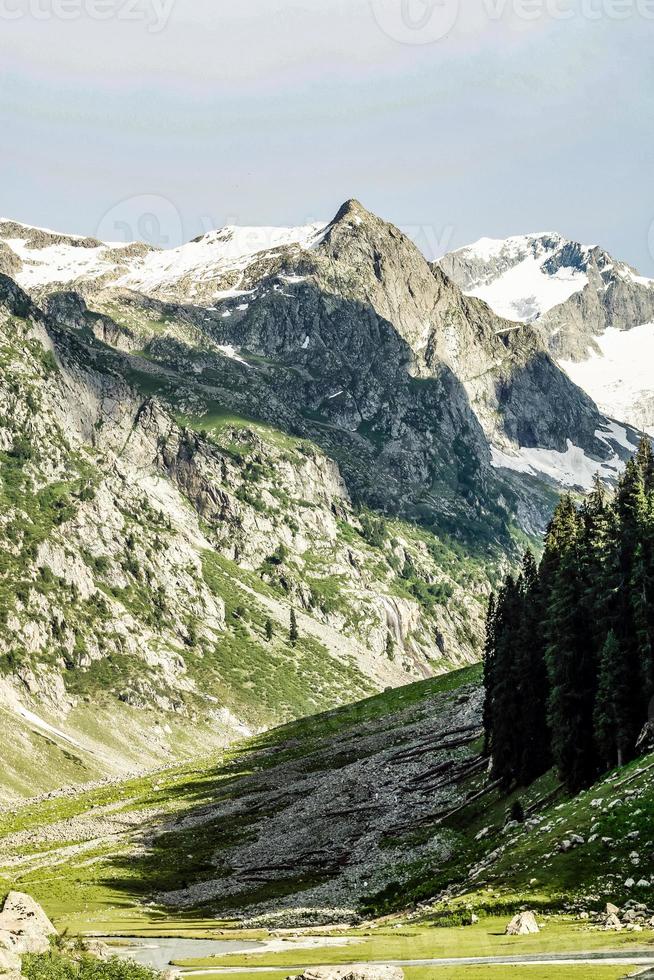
632, 958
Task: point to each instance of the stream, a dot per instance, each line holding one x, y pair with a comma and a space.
158, 953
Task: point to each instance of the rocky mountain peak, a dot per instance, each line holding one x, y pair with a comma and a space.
594, 313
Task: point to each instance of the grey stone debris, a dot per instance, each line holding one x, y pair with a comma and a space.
361, 972
612, 922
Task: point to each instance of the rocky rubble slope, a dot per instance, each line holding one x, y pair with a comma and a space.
296, 826
379, 807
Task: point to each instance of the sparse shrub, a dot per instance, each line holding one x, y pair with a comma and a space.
373, 530
57, 965
293, 633
517, 811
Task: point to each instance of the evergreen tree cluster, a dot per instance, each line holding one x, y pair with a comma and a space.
569, 659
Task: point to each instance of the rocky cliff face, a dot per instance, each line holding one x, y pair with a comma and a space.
196, 442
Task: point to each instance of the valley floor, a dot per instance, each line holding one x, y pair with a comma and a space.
334, 826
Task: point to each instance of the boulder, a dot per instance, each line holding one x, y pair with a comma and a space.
613, 923
10, 964
101, 951
612, 909
522, 924
365, 971
26, 923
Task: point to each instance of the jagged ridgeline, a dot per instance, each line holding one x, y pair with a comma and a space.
254, 477
569, 665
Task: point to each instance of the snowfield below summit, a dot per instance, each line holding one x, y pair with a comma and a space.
526, 291
229, 249
59, 263
520, 287
573, 468
620, 379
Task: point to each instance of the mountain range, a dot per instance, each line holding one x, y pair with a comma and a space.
198, 442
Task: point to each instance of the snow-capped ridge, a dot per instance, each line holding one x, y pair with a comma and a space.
524, 277
212, 255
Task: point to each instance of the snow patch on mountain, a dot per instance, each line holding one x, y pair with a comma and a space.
620, 378
229, 249
58, 263
232, 353
31, 718
516, 284
574, 468
526, 292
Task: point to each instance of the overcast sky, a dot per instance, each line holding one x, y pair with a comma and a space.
173, 116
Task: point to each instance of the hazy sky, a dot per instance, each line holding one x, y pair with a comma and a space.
168, 117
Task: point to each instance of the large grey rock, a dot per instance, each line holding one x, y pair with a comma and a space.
26, 923
522, 924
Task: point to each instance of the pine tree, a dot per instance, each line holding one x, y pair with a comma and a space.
612, 706
390, 646
631, 614
533, 681
505, 695
489, 657
642, 574
269, 630
293, 633
645, 462
569, 656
